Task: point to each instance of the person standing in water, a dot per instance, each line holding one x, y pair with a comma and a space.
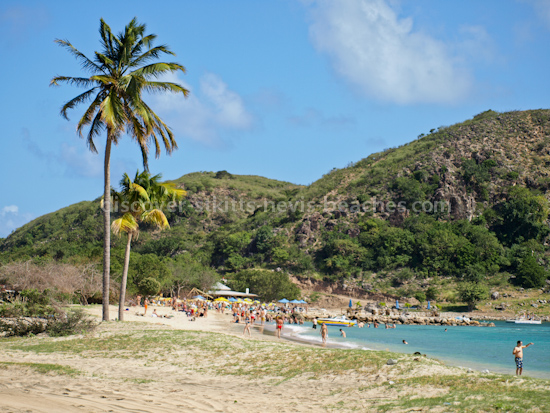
324, 333
342, 333
518, 352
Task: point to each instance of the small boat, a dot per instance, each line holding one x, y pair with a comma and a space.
523, 321
337, 321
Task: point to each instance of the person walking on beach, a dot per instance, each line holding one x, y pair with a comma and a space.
279, 327
145, 304
324, 333
518, 352
314, 323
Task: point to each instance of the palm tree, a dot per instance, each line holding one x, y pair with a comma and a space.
119, 74
142, 200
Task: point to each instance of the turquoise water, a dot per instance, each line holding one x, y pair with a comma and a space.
478, 348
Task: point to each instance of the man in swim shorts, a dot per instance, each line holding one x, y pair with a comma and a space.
518, 352
279, 326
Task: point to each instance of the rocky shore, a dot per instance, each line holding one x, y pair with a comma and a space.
395, 317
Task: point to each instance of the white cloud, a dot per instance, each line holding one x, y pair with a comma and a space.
12, 219
382, 54
207, 113
10, 209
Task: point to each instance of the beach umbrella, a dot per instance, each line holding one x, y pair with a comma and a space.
248, 300
397, 304
284, 301
231, 299
303, 302
222, 299
295, 302
199, 297
350, 303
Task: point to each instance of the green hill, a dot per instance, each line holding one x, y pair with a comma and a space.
467, 202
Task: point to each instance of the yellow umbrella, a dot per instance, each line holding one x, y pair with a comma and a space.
248, 300
225, 300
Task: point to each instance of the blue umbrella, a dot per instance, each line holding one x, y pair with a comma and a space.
284, 301
199, 297
303, 302
350, 303
429, 305
295, 302
232, 299
397, 304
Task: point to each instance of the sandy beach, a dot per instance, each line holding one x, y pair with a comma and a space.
149, 364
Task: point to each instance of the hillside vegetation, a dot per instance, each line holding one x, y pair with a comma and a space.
465, 205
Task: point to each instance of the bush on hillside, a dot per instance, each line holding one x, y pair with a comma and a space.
473, 293
530, 274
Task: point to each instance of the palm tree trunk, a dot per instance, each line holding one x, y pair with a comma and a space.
107, 227
124, 279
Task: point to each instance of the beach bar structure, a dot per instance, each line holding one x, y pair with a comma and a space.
221, 290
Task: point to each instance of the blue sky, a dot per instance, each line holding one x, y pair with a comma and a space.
286, 89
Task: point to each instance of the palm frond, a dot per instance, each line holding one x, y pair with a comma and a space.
107, 36
95, 128
153, 53
104, 79
157, 69
126, 223
156, 217
152, 86
76, 81
112, 112
85, 62
140, 190
106, 61
75, 101
90, 112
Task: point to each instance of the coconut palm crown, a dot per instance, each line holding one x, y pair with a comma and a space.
119, 74
140, 200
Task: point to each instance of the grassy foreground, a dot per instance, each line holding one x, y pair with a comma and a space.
149, 350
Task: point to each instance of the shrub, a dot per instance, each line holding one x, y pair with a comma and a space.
149, 286
530, 274
472, 293
432, 293
74, 322
20, 327
420, 296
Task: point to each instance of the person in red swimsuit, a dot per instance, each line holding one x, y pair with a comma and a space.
279, 327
